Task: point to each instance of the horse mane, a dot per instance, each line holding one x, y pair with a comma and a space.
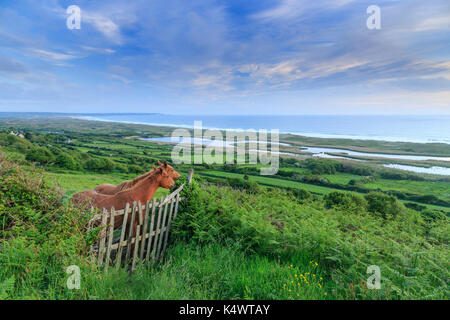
131, 183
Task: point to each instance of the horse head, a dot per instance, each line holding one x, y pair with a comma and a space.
168, 174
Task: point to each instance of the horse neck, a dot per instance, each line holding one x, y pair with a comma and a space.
145, 189
132, 183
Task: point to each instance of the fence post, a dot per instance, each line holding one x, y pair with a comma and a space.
144, 231
157, 230
130, 232
102, 237
190, 174
152, 220
110, 237
122, 235
137, 236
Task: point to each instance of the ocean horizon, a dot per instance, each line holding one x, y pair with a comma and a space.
394, 128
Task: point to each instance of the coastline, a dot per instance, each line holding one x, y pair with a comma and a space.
299, 134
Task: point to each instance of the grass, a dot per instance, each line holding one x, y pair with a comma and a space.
321, 190
255, 243
426, 187
189, 272
272, 181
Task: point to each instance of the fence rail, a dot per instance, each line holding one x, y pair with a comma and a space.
146, 242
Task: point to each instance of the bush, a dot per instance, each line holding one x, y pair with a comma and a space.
40, 235
301, 194
385, 205
433, 215
321, 166
360, 170
243, 184
99, 165
345, 200
40, 154
132, 168
64, 160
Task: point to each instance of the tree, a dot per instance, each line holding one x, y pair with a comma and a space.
64, 160
40, 154
99, 165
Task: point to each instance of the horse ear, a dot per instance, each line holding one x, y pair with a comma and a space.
165, 164
154, 168
159, 163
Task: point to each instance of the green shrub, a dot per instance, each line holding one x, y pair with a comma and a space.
64, 160
99, 165
301, 194
358, 169
243, 184
321, 166
345, 200
40, 154
385, 205
134, 169
39, 234
431, 215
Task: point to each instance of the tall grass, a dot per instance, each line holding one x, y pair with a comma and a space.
411, 252
226, 244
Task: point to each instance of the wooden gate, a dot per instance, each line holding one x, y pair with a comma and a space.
118, 246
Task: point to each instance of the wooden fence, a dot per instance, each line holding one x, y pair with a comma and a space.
118, 247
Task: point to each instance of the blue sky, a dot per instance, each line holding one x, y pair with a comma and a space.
226, 57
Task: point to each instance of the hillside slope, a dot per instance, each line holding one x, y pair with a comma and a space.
229, 242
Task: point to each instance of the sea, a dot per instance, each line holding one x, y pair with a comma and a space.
405, 128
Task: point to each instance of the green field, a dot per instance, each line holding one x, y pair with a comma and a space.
308, 232
272, 182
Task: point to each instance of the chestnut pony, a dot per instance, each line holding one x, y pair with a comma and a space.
112, 189
164, 176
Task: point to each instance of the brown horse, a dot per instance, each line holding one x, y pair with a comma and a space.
112, 189
164, 176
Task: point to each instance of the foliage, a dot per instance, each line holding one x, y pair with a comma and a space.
385, 205
345, 200
39, 233
405, 246
321, 166
40, 154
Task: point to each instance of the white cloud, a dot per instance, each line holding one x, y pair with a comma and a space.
99, 50
288, 9
50, 55
433, 24
103, 24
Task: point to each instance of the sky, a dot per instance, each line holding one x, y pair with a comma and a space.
226, 57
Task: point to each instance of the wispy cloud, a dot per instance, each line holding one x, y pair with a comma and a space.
105, 25
99, 50
232, 53
289, 9
441, 23
54, 56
